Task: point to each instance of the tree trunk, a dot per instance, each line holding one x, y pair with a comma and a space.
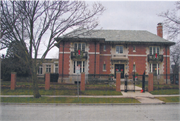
35, 86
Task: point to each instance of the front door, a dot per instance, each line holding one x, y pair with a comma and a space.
120, 68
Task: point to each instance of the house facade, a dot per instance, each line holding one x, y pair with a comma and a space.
109, 51
48, 66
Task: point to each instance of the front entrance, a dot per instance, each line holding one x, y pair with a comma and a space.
120, 68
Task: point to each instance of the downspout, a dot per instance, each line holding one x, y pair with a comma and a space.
95, 60
166, 64
63, 63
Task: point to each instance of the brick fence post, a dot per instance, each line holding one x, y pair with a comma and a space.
118, 81
82, 85
47, 81
150, 82
13, 80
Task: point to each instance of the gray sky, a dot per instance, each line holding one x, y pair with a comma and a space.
129, 15
137, 15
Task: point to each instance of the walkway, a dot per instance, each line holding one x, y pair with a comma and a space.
145, 97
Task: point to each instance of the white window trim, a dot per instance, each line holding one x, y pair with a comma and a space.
157, 68
104, 48
55, 67
155, 49
134, 50
103, 67
134, 70
119, 46
81, 66
81, 45
48, 68
42, 70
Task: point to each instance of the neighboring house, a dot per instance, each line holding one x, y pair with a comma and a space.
48, 66
109, 51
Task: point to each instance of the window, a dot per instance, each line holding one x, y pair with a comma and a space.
134, 67
104, 67
153, 50
134, 48
40, 70
119, 49
56, 68
48, 68
79, 46
104, 47
155, 69
81, 64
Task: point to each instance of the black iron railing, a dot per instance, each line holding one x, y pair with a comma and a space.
155, 58
81, 55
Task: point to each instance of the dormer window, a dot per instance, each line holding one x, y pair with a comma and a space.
119, 49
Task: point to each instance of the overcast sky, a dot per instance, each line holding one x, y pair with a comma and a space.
129, 15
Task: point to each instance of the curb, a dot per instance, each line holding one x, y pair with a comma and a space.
87, 104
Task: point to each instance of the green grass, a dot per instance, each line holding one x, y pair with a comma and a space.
58, 92
67, 100
169, 99
165, 86
100, 92
41, 91
165, 92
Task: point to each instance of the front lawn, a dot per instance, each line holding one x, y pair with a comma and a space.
58, 92
169, 99
165, 92
66, 100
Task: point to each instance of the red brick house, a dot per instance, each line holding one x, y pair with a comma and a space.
108, 51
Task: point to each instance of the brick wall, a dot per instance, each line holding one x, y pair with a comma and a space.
140, 49
105, 60
94, 63
166, 61
138, 58
140, 63
64, 65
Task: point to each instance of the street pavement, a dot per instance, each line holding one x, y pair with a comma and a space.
70, 112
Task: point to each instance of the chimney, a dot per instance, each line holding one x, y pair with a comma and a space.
160, 30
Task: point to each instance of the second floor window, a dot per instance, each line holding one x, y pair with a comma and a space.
79, 46
119, 49
154, 49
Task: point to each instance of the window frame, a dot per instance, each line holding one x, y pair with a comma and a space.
40, 68
104, 67
134, 48
48, 68
154, 49
104, 48
82, 48
56, 67
155, 69
82, 66
119, 46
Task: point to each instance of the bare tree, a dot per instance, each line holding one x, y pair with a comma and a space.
172, 22
32, 23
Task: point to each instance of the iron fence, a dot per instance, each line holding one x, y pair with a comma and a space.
100, 82
165, 81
